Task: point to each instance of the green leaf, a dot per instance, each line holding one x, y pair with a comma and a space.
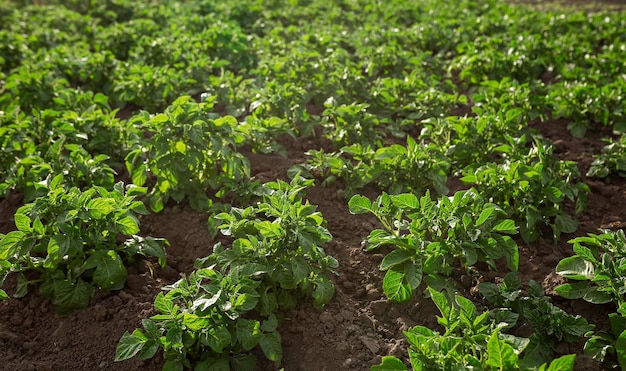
216, 337
129, 345
360, 204
501, 354
196, 323
22, 222
396, 287
127, 225
620, 348
505, 226
22, 286
573, 290
243, 362
389, 363
394, 258
71, 297
270, 324
271, 345
100, 207
554, 194
110, 273
324, 291
9, 244
248, 333
564, 363
38, 226
406, 201
300, 268
565, 223
576, 268
578, 128
139, 175
149, 350
595, 296
162, 304
441, 302
156, 202
486, 214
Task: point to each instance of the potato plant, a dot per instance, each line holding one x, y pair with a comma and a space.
69, 238
190, 152
201, 324
471, 340
532, 186
229, 305
428, 236
599, 269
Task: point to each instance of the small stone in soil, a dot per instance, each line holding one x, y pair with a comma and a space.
343, 348
347, 363
326, 318
379, 307
370, 343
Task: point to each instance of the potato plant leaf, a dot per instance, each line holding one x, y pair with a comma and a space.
110, 273
129, 345
576, 268
500, 354
395, 258
271, 345
563, 363
396, 286
620, 348
389, 363
360, 204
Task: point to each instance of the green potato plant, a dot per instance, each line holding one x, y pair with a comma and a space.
202, 322
612, 159
428, 236
532, 186
69, 238
471, 341
230, 304
191, 151
550, 324
416, 167
599, 267
283, 237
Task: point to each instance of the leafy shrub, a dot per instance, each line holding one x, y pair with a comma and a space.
416, 167
550, 324
228, 306
612, 160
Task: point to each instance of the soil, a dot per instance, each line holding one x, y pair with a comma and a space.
352, 332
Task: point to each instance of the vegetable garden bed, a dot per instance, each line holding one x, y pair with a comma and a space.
311, 186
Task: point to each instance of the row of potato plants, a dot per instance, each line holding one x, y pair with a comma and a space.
66, 70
